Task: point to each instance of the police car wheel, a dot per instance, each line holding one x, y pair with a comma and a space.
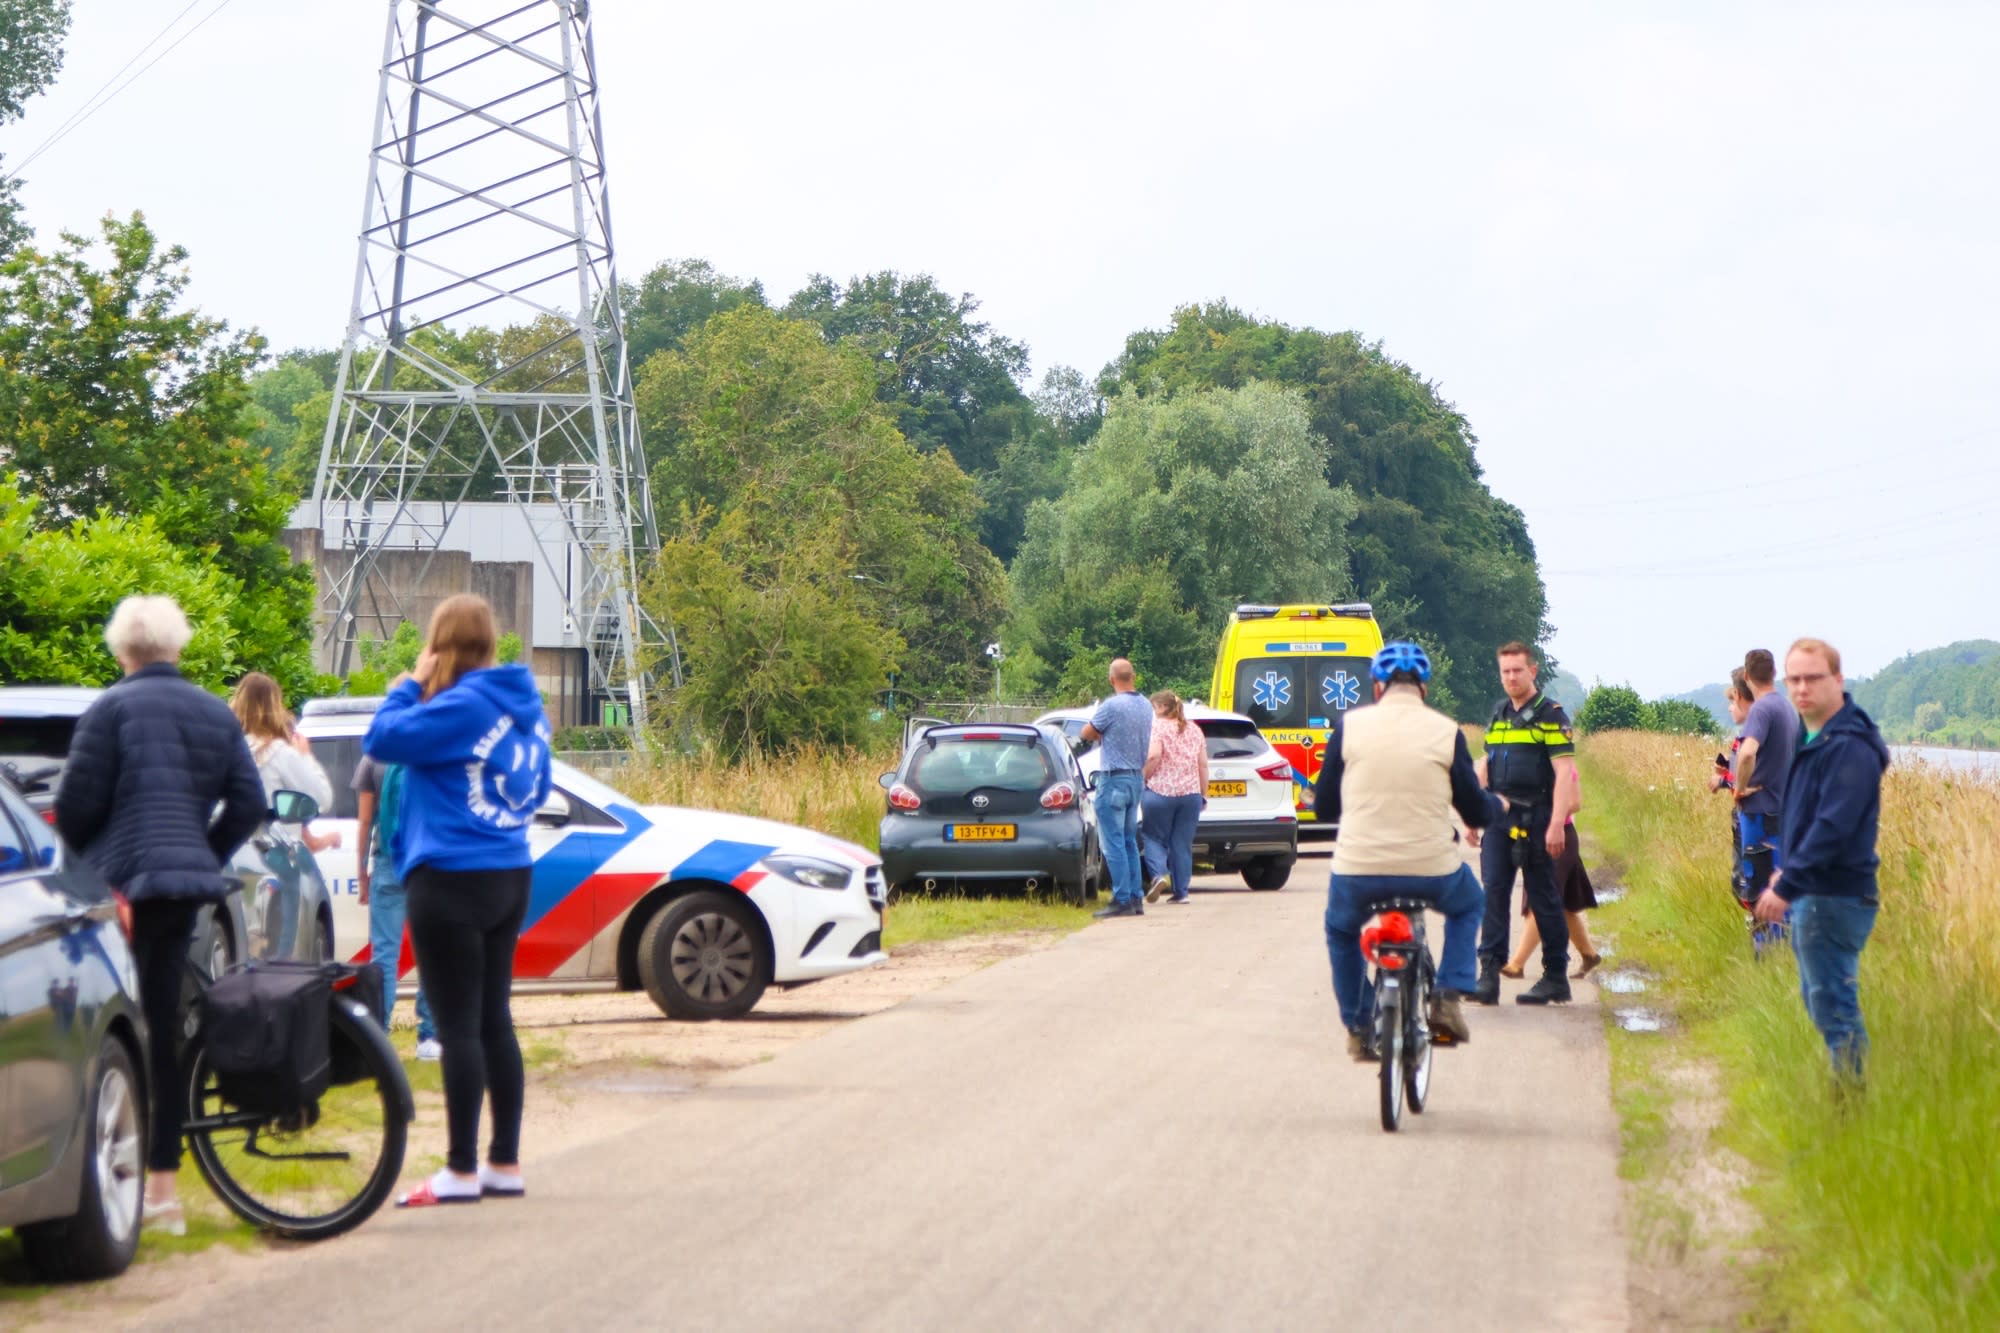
703, 957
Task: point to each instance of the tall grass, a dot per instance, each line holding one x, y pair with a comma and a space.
834, 791
1883, 1212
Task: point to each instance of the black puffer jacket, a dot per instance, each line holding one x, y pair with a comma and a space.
146, 766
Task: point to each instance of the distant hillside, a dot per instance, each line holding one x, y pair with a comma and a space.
1566, 690
1713, 699
1949, 694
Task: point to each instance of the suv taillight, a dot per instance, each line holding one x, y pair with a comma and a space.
902, 798
49, 816
1280, 771
1059, 797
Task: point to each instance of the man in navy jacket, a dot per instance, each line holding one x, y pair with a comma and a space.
1833, 804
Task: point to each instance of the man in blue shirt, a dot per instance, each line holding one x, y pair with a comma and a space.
1763, 761
1124, 722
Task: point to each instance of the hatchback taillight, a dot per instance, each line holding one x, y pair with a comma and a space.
902, 798
1059, 797
1280, 771
124, 914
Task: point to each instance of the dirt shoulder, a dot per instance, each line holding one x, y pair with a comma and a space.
599, 1063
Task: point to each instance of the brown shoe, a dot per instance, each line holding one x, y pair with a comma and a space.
1448, 1017
1509, 970
1590, 962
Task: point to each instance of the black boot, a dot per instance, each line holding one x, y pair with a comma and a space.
1553, 988
1488, 989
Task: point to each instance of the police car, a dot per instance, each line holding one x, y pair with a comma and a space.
703, 910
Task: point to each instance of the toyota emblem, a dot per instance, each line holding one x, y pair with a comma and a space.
981, 802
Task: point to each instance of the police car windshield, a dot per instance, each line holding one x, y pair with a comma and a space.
1300, 691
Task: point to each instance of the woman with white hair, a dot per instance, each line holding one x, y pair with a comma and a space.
147, 765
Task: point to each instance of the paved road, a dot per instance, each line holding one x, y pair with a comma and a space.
1152, 1125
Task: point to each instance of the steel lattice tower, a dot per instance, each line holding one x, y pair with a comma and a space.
487, 208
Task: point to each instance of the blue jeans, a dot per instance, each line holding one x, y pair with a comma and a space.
1169, 833
1118, 830
1457, 895
388, 905
1828, 935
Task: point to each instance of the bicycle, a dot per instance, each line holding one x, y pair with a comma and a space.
1405, 977
323, 1168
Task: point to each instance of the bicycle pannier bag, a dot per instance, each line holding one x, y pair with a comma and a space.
264, 1027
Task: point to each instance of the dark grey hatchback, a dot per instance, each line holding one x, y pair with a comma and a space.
72, 1077
988, 806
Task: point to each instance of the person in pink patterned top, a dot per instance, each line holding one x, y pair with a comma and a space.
1176, 776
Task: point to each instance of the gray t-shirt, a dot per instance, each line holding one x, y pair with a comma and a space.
1126, 721
1774, 724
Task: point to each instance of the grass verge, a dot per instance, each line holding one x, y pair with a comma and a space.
834, 791
910, 920
1883, 1212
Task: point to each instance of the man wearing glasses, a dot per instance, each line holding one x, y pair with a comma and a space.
1833, 803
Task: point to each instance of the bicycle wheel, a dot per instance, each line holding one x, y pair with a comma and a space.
1389, 1024
1417, 1050
315, 1173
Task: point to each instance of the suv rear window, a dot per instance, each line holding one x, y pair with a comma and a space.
35, 737
1230, 739
955, 766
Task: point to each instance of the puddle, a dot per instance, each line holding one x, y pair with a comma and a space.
1640, 1020
1622, 982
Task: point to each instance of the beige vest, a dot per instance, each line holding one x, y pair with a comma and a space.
1395, 793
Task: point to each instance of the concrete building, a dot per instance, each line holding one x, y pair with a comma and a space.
489, 549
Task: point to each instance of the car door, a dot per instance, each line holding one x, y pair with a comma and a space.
39, 1084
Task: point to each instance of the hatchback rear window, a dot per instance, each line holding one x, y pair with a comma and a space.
954, 767
1230, 739
338, 755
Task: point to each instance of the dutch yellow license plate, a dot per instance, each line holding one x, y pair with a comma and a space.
1228, 789
979, 832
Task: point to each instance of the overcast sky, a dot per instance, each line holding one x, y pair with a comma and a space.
1715, 283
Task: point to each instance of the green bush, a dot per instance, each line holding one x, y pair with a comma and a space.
1615, 708
1680, 717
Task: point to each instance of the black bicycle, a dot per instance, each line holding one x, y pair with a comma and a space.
317, 1169
1405, 977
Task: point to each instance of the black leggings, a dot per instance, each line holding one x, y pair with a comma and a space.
162, 929
464, 925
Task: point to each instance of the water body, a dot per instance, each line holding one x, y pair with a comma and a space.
1937, 756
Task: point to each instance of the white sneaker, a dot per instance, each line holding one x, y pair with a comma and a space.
165, 1218
430, 1049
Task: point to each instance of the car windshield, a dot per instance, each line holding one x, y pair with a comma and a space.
1300, 691
1229, 738
956, 765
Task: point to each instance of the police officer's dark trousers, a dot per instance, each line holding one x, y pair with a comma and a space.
1538, 872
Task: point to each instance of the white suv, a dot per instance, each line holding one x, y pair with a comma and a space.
1249, 823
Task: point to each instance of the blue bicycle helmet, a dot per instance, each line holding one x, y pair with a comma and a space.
1401, 655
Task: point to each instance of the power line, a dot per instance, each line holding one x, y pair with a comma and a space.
98, 100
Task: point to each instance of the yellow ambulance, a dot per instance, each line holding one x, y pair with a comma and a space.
1292, 670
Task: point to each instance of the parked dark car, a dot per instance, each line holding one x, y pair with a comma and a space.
73, 1085
989, 806
36, 723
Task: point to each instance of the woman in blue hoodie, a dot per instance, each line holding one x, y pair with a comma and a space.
475, 745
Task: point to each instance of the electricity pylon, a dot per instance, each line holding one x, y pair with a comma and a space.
485, 354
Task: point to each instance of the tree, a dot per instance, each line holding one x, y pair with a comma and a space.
946, 373
780, 645
1930, 717
117, 398
1681, 718
1177, 511
1615, 708
1427, 535
58, 587
31, 54
759, 418
675, 299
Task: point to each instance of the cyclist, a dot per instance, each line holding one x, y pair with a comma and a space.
1392, 776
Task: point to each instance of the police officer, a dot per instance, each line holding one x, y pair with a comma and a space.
1529, 772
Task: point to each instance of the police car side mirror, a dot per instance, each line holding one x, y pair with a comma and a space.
293, 807
554, 811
